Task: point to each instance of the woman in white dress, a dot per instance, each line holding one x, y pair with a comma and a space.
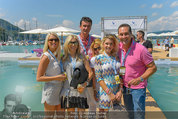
95, 48
50, 71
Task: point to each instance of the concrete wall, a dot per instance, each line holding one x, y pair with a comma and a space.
173, 52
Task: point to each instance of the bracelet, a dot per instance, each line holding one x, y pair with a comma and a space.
108, 91
87, 83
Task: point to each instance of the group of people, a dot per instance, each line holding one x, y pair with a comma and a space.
94, 73
168, 43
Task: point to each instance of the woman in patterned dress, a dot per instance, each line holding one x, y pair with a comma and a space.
107, 66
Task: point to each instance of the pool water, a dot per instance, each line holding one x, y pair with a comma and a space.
20, 49
163, 86
20, 80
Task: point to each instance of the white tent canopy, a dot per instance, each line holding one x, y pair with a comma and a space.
151, 34
167, 34
176, 32
64, 34
62, 30
163, 34
34, 31
96, 36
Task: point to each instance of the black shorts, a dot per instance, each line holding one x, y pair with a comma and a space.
166, 45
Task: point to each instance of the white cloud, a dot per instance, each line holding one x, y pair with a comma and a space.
143, 6
174, 4
23, 24
157, 6
154, 14
67, 23
164, 23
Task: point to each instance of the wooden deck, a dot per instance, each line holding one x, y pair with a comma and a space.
161, 54
152, 109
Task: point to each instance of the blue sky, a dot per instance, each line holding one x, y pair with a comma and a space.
161, 14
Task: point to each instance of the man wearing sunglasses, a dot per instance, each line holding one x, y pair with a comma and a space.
85, 42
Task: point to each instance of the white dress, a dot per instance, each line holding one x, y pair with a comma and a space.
52, 89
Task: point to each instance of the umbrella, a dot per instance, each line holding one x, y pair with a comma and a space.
96, 36
64, 34
34, 31
62, 30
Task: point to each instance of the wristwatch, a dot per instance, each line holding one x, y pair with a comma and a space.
122, 90
141, 79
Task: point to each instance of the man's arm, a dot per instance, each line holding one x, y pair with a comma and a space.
151, 69
150, 50
150, 47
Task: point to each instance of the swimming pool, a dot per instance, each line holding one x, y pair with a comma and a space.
163, 86
20, 49
20, 80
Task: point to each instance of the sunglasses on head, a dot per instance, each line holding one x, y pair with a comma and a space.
98, 48
73, 43
56, 40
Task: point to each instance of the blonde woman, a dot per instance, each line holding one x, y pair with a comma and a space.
107, 70
74, 97
95, 48
50, 71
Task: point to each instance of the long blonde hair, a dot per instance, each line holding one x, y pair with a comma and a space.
115, 49
96, 41
46, 47
66, 47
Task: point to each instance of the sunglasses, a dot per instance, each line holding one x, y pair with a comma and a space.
56, 40
98, 48
73, 43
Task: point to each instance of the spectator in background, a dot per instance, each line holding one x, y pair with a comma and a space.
166, 43
146, 43
172, 41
